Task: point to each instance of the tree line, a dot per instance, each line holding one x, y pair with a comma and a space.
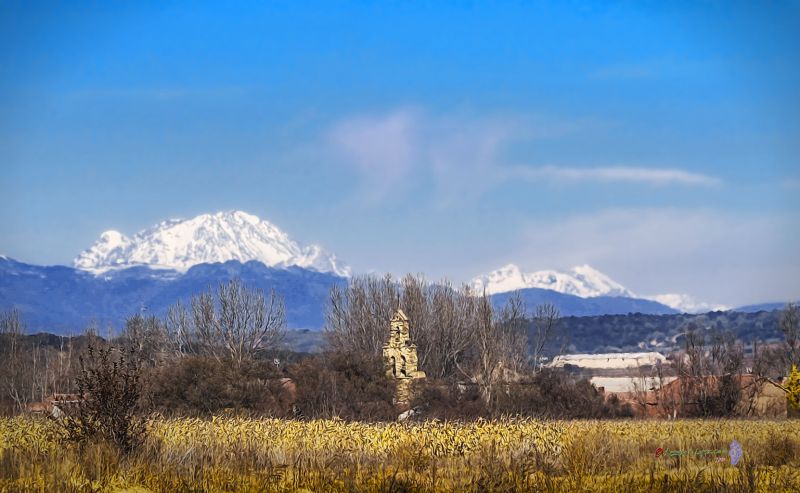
222, 352
717, 379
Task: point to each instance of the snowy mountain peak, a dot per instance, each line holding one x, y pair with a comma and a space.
113, 236
599, 281
686, 304
181, 243
506, 278
112, 239
583, 281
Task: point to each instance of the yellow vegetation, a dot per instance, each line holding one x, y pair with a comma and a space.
793, 388
237, 454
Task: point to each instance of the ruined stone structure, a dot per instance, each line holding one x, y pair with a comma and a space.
400, 356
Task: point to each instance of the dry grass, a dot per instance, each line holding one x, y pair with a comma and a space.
231, 454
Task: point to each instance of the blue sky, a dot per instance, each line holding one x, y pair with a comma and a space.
658, 142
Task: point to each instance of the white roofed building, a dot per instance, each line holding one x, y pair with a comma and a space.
609, 360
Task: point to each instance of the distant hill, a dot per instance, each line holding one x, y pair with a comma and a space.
762, 307
584, 281
612, 333
63, 300
571, 305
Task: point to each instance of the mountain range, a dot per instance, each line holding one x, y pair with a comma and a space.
119, 276
65, 300
583, 281
208, 238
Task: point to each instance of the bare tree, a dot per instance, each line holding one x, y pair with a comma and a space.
147, 336
441, 323
546, 321
487, 348
30, 368
513, 334
178, 325
649, 389
727, 356
710, 372
247, 322
15, 377
456, 332
357, 316
643, 384
11, 323
235, 323
790, 326
445, 340
416, 303
499, 343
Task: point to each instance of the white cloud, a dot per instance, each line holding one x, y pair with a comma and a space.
652, 176
463, 156
457, 153
726, 257
383, 148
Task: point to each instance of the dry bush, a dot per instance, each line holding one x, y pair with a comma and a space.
344, 385
203, 386
779, 450
555, 394
108, 400
447, 400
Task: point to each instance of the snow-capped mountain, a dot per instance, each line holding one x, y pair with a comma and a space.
208, 238
583, 281
686, 304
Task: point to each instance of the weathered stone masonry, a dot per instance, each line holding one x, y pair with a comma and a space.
400, 356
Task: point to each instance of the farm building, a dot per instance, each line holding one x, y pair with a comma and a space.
681, 397
608, 360
54, 405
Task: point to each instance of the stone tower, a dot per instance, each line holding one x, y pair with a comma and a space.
400, 356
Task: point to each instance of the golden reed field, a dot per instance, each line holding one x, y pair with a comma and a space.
239, 454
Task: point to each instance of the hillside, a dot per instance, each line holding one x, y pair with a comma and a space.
64, 300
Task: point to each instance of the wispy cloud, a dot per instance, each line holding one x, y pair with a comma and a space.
455, 153
461, 155
383, 148
652, 176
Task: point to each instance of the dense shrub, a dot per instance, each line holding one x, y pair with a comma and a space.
447, 400
558, 394
345, 385
203, 386
549, 394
